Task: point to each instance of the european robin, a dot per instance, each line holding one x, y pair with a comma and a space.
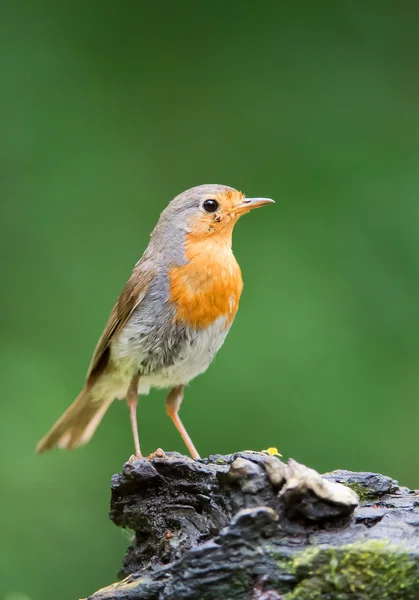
172, 316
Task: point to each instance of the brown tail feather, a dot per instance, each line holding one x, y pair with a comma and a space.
77, 425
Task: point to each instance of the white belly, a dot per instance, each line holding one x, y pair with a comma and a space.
193, 356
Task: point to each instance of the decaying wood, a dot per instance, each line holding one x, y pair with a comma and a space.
249, 527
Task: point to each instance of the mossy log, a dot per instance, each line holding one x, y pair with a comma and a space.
249, 527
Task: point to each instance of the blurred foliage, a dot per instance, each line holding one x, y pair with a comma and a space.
106, 112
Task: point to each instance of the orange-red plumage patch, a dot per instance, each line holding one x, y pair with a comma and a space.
209, 285
230, 198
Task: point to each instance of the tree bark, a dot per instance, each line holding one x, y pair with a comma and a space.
249, 527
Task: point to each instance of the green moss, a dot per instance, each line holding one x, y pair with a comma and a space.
364, 493
373, 570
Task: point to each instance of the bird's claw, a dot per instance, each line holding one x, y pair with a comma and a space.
159, 453
134, 457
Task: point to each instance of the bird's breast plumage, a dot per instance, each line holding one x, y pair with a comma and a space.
208, 286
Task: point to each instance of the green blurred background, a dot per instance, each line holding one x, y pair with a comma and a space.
107, 111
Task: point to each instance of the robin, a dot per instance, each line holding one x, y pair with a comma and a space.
172, 316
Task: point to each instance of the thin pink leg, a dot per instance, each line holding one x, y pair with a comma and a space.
173, 402
132, 401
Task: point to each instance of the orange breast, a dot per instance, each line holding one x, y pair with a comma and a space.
208, 286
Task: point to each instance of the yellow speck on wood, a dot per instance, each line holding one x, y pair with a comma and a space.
272, 452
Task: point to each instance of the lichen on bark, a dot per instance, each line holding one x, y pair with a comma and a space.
372, 570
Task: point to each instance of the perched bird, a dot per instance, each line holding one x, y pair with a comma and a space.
172, 316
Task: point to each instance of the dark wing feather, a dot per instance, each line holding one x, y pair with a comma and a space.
131, 297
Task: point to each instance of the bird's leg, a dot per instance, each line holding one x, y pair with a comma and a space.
173, 402
132, 401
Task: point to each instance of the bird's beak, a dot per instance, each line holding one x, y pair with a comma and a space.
250, 203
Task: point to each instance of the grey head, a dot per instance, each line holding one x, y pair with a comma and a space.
168, 236
200, 212
191, 199
187, 204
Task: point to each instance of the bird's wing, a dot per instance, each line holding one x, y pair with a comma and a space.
131, 297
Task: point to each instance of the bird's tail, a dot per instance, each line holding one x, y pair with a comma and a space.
77, 425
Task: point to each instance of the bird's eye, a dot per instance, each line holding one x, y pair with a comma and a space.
211, 206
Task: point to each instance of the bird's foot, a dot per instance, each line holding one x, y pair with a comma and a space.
134, 457
159, 453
